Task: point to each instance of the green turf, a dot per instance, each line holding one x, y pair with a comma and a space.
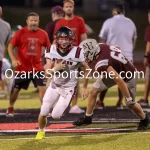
134, 141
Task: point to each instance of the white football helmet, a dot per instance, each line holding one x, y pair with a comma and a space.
91, 49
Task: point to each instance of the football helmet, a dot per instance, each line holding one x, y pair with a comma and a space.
64, 38
91, 49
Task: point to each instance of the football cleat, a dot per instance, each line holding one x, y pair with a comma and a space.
143, 102
143, 124
10, 112
40, 135
83, 121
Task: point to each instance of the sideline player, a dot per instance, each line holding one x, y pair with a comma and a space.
110, 60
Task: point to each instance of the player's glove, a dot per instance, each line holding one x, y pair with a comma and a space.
83, 121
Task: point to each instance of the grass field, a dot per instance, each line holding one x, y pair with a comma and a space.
132, 140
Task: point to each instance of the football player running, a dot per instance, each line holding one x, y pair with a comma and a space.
63, 84
110, 60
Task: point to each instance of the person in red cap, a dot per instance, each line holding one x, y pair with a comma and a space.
57, 13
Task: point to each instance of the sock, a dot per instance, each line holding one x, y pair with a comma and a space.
43, 130
88, 115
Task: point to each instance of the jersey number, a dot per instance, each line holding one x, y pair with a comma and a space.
117, 56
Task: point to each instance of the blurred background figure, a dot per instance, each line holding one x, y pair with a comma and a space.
57, 13
7, 75
144, 101
77, 25
5, 32
120, 31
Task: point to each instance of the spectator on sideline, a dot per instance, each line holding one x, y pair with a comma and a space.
57, 13
120, 31
29, 42
77, 25
5, 31
144, 101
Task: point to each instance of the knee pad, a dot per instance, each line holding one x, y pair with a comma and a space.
45, 109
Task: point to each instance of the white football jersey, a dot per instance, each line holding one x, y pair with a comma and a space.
69, 76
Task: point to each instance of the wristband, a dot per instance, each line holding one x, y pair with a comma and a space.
145, 56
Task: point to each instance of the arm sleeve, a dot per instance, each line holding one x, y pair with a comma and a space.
104, 30
102, 66
147, 34
135, 32
47, 42
82, 27
15, 40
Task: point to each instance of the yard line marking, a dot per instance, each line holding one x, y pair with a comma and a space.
74, 129
69, 136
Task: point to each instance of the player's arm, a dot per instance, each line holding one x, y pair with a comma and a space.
83, 36
15, 62
121, 84
50, 70
134, 43
104, 32
147, 54
85, 68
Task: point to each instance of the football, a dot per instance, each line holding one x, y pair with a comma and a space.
66, 67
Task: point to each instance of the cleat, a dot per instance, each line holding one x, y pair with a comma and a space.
10, 112
99, 105
76, 110
83, 121
143, 102
119, 106
40, 135
143, 124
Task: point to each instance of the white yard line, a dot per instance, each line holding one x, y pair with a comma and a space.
69, 136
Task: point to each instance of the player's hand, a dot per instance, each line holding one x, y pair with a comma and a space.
59, 66
15, 63
84, 93
145, 62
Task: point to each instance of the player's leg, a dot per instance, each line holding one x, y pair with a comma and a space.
63, 102
100, 102
17, 86
135, 107
119, 104
144, 101
75, 109
99, 86
50, 98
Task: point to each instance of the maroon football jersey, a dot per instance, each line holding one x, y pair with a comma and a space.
147, 34
112, 56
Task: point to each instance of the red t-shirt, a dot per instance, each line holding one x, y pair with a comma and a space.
147, 34
76, 24
29, 52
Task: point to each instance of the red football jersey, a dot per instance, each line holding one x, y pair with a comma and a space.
76, 24
29, 44
112, 56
